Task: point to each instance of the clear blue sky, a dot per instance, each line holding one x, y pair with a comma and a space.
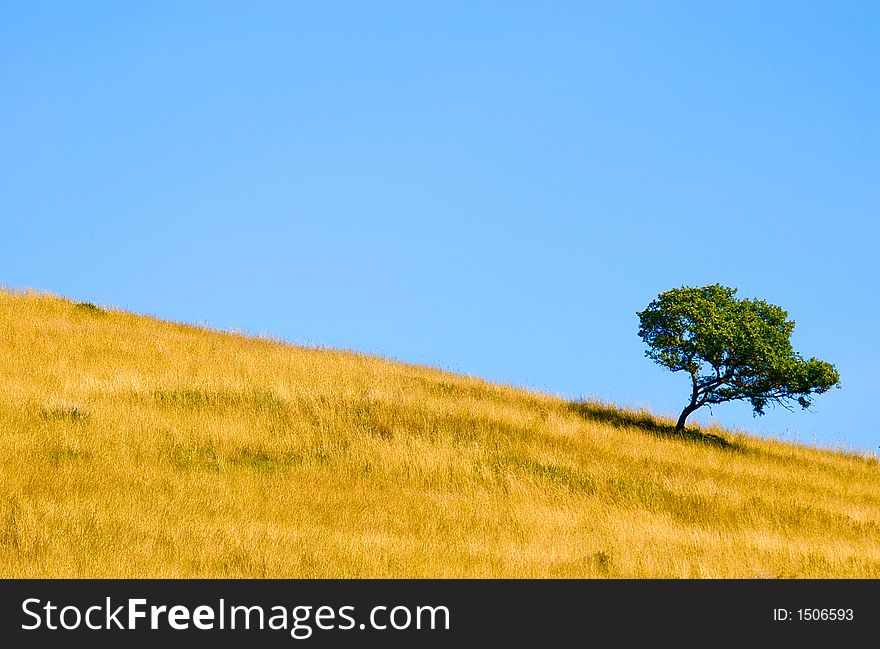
493, 188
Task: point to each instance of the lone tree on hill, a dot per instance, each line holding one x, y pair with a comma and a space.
732, 349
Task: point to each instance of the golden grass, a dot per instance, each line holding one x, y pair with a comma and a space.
132, 447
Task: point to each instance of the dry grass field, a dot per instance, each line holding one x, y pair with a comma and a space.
133, 447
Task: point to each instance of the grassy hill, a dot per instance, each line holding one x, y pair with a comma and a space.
133, 447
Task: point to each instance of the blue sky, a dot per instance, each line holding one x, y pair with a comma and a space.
493, 188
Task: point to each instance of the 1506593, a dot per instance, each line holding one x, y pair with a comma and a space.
825, 614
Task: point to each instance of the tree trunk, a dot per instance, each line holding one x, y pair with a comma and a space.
684, 415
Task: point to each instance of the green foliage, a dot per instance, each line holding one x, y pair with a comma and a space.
732, 349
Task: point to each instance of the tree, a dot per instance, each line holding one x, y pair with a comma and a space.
732, 349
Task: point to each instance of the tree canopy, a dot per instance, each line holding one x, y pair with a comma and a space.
732, 349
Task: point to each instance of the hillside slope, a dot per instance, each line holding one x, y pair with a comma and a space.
132, 447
